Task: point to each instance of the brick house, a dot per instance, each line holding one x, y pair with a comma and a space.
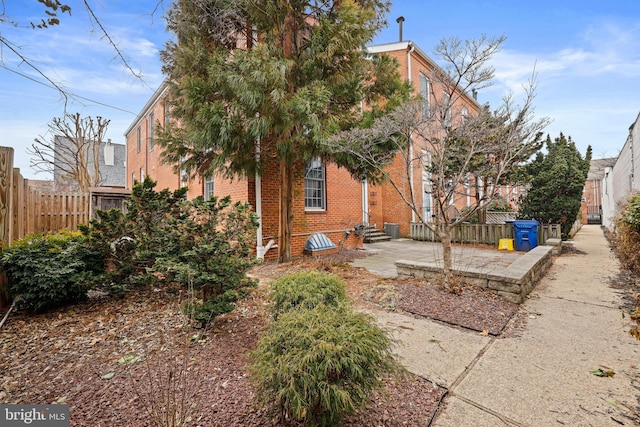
328, 200
591, 206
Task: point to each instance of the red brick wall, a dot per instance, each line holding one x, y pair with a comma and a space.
150, 158
591, 196
386, 205
343, 210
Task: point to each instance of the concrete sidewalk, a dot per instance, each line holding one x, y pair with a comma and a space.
543, 376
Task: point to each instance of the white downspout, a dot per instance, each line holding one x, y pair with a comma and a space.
260, 250
411, 184
365, 188
365, 202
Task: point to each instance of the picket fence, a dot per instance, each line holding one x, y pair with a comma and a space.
489, 234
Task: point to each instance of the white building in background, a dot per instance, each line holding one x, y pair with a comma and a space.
112, 163
623, 179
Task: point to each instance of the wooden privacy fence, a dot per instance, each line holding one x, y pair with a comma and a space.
489, 234
26, 209
43, 212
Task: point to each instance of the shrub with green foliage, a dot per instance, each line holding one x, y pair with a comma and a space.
318, 365
165, 240
306, 289
627, 236
50, 270
557, 181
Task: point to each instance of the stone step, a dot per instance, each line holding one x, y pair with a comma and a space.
373, 235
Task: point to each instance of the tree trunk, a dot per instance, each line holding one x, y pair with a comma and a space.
286, 212
482, 214
447, 260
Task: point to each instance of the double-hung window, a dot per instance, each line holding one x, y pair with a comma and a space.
314, 185
424, 94
151, 125
208, 187
447, 109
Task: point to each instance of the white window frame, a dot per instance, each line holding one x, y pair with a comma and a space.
151, 135
315, 186
446, 103
464, 113
424, 93
208, 187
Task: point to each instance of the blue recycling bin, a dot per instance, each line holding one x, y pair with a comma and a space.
525, 232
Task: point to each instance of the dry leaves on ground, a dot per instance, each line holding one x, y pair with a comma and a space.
110, 359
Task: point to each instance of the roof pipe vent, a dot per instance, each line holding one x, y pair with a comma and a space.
400, 20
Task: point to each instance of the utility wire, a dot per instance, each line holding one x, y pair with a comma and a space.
66, 92
114, 45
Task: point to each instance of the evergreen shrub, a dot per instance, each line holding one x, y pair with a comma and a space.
318, 365
164, 240
306, 289
46, 271
627, 235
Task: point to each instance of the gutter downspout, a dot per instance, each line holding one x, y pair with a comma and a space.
411, 183
365, 202
365, 188
260, 250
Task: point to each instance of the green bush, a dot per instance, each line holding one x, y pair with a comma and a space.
626, 238
306, 289
165, 240
51, 270
318, 365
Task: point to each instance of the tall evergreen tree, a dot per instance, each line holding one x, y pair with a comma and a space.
258, 79
557, 180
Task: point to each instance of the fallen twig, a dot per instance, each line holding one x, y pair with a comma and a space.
4, 319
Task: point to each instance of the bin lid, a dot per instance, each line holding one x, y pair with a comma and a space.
526, 223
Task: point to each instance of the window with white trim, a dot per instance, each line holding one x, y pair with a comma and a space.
208, 187
314, 185
139, 139
446, 101
424, 93
151, 125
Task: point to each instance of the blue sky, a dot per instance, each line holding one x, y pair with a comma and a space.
586, 54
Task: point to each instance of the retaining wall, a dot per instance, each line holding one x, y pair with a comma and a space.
513, 283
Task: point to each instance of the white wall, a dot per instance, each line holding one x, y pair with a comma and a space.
608, 203
625, 176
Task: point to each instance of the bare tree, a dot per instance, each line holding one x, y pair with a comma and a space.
71, 151
451, 145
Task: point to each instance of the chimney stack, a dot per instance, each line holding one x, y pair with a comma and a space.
400, 20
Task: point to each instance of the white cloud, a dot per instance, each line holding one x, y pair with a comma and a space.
610, 50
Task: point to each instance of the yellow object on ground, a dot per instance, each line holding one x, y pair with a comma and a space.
505, 244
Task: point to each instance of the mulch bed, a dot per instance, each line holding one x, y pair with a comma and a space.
105, 357
472, 308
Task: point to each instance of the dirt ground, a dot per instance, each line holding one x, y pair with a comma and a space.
116, 361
